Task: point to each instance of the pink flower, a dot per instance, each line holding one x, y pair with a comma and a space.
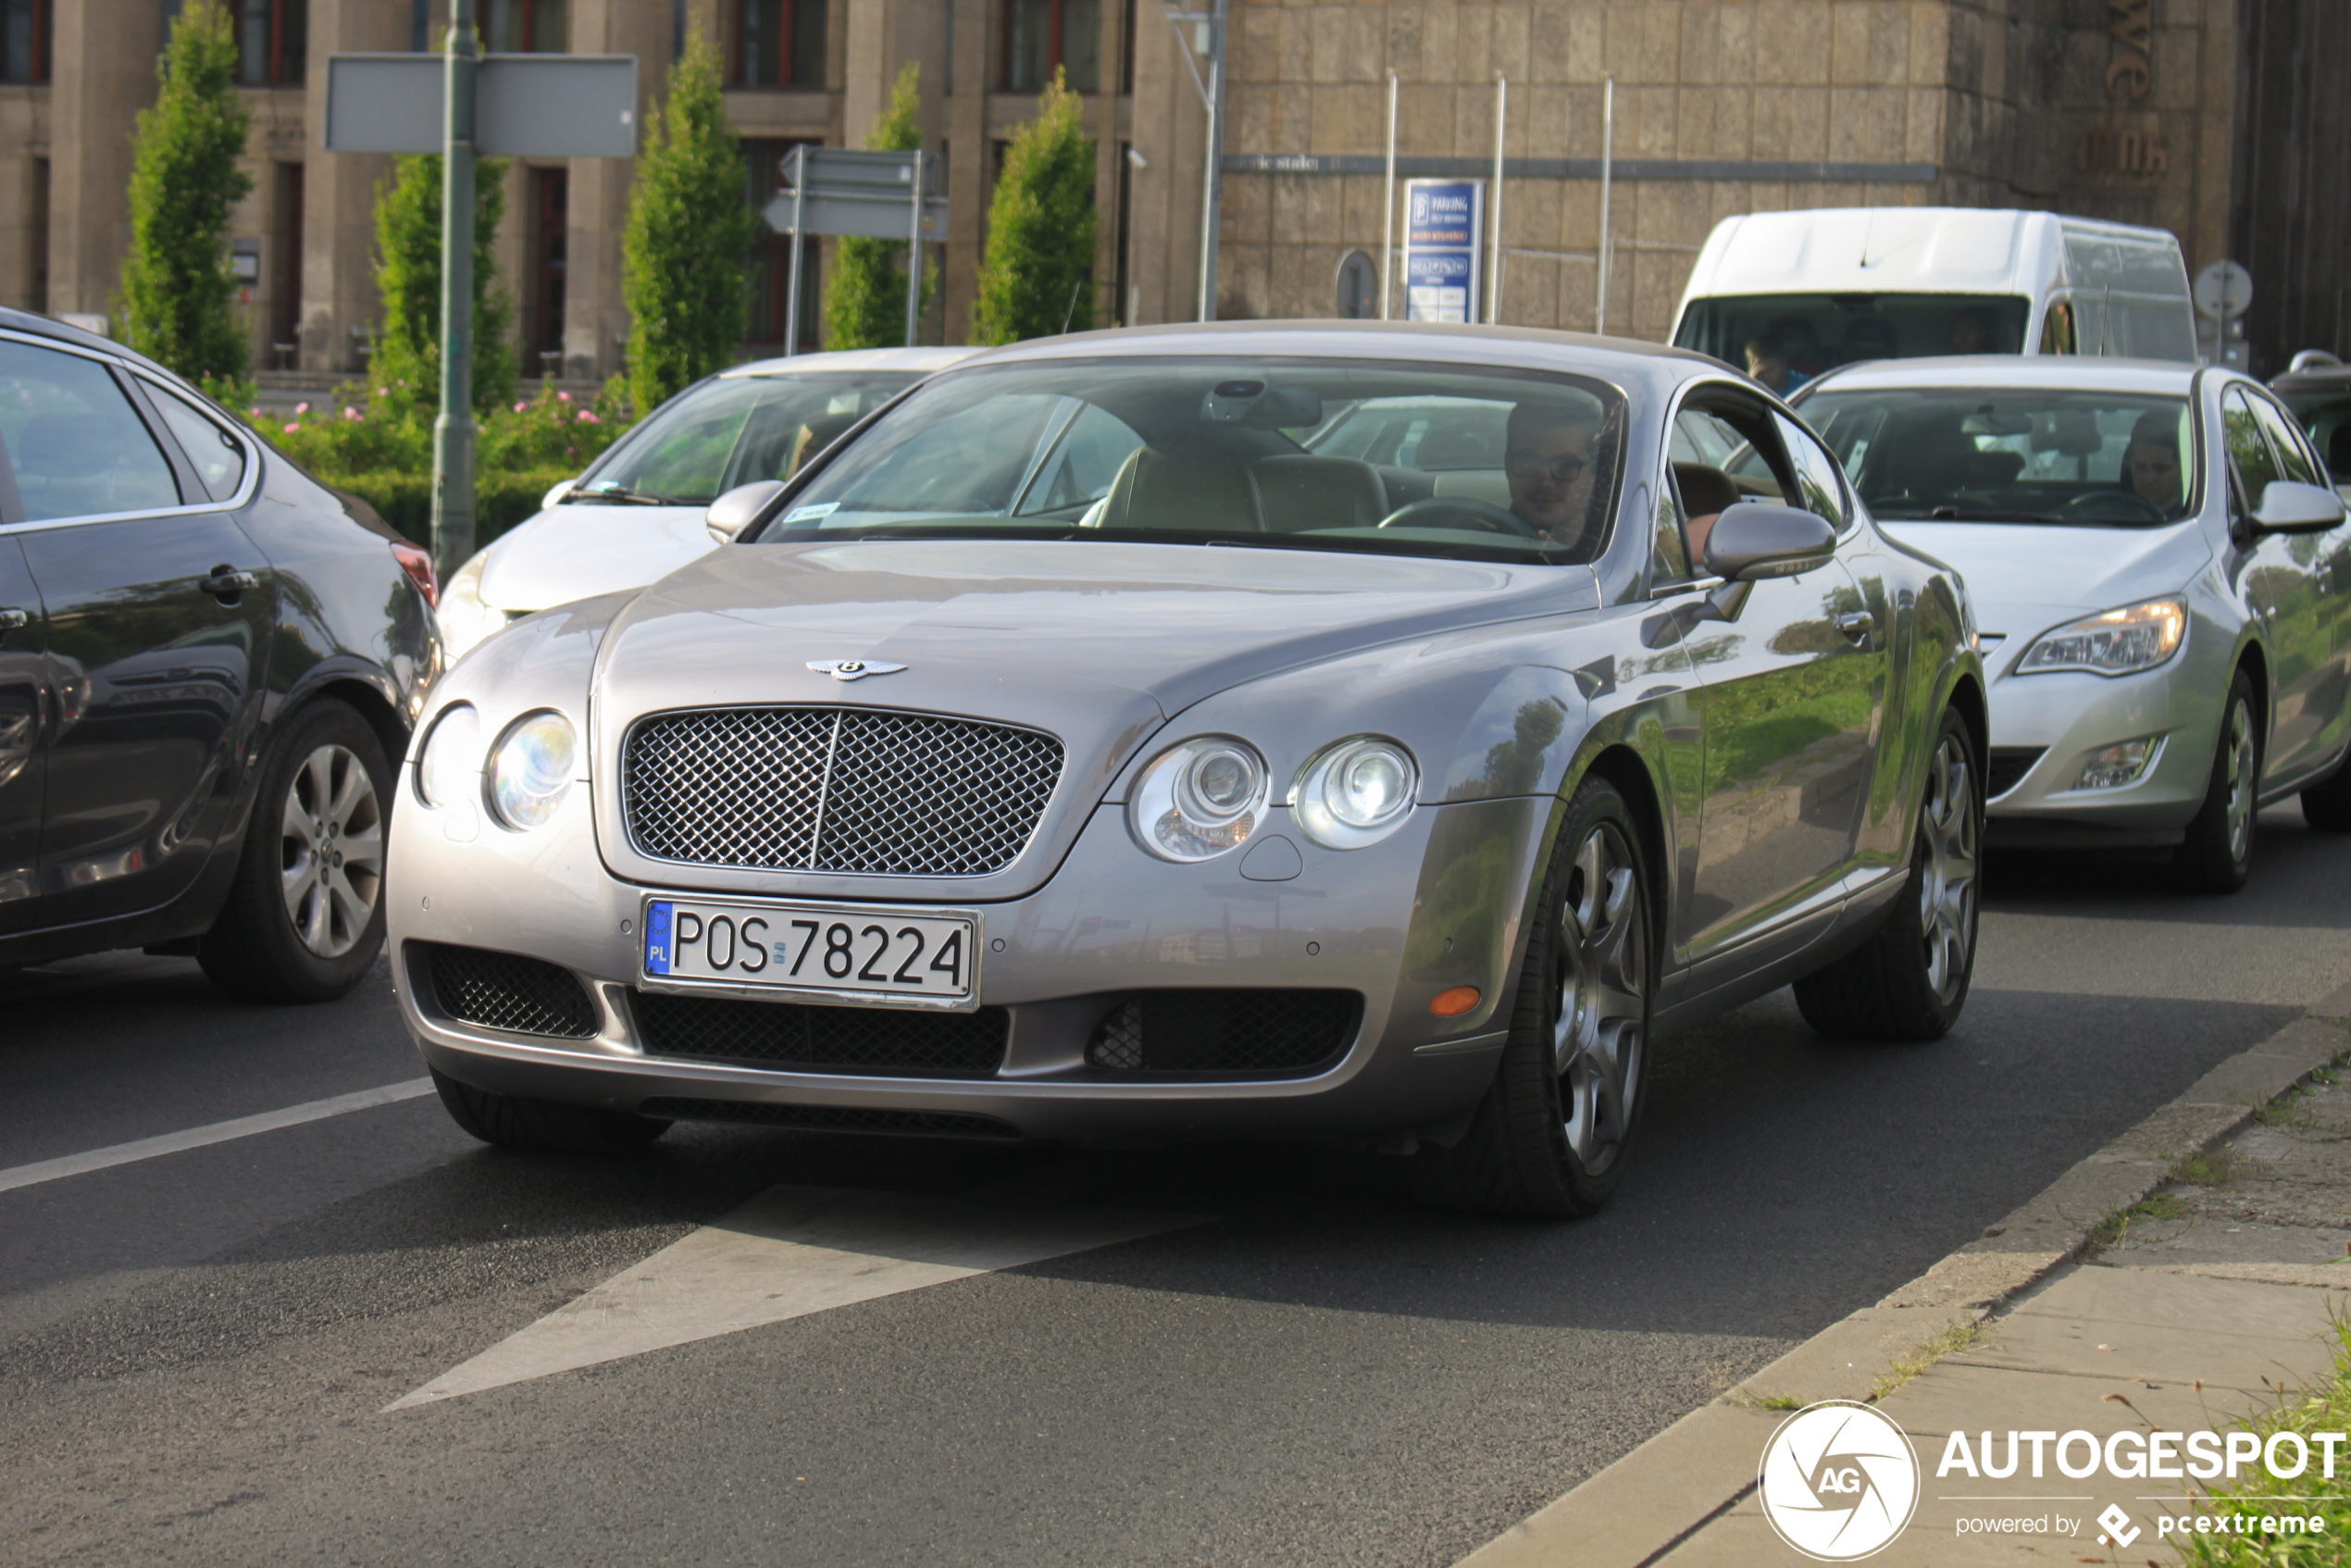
353, 413
564, 396
300, 408
380, 392
257, 411
520, 406
291, 428
571, 451
587, 416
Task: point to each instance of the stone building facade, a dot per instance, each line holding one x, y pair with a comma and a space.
2211, 118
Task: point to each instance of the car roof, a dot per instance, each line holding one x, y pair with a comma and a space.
915, 360
2326, 378
49, 327
2092, 373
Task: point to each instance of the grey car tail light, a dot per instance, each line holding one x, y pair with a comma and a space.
1257, 1031
859, 791
505, 990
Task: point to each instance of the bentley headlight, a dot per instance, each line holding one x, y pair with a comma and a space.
1354, 792
464, 620
1199, 799
531, 770
2118, 642
451, 762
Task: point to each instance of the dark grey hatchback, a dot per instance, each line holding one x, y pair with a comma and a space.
207, 658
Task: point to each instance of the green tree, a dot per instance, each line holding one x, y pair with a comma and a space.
681, 270
407, 357
177, 292
865, 296
1040, 230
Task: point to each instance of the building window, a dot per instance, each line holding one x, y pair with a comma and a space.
273, 42
776, 42
549, 234
529, 26
285, 272
1042, 34
24, 39
771, 260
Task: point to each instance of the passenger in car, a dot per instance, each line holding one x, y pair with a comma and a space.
2151, 463
1548, 458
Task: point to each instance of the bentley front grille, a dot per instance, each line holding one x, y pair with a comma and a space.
505, 990
856, 791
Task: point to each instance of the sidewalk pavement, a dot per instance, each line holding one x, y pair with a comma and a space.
2123, 1297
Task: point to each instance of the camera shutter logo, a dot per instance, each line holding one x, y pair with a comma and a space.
1838, 1481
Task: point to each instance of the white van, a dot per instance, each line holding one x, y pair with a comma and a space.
1833, 285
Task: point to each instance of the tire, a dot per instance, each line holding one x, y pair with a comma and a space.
2326, 805
305, 917
1909, 981
545, 1126
2216, 855
1550, 1139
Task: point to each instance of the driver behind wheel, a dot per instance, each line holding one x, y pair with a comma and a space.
2151, 463
1549, 458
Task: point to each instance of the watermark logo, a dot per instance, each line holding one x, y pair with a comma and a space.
2118, 1528
1838, 1481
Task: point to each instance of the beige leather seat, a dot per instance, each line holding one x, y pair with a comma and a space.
1301, 493
1705, 493
1202, 490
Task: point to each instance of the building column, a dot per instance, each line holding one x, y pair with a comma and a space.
595, 321
102, 73
339, 193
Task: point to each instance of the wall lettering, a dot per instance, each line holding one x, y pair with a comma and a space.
2129, 67
2105, 151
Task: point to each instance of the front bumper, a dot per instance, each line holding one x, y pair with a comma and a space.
1437, 906
2069, 717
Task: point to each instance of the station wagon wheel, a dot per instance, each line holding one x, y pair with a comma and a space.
2217, 854
1909, 981
1551, 1135
331, 851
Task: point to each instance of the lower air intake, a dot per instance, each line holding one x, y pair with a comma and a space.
832, 1118
835, 1040
505, 990
2006, 769
1231, 1033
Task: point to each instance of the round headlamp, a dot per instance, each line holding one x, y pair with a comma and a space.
531, 770
451, 761
1199, 799
1354, 792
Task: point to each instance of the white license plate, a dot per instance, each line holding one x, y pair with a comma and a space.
931, 957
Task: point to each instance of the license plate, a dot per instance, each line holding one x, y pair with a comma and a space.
855, 955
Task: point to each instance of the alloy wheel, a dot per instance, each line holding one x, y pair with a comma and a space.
331, 851
2241, 783
1602, 1004
1947, 877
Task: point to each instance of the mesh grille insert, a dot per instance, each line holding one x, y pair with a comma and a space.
2007, 768
855, 790
1231, 1032
849, 1039
832, 1118
505, 990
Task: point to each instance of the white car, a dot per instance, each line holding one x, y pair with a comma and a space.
636, 515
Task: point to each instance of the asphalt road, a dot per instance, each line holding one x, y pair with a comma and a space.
1298, 1365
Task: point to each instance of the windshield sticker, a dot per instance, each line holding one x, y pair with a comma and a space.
802, 513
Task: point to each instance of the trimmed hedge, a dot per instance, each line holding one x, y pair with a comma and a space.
501, 500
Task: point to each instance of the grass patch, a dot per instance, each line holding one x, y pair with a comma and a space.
2325, 1407
2113, 1230
1950, 1342
2210, 1168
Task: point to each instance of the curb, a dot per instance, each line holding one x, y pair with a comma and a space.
1653, 1498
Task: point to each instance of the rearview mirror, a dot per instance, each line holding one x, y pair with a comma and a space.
738, 508
2290, 507
1760, 538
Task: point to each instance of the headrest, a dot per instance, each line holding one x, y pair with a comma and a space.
1301, 493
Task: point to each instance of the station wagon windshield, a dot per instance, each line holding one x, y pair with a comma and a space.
1316, 454
2012, 455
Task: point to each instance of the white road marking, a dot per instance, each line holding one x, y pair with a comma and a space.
218, 1132
790, 1252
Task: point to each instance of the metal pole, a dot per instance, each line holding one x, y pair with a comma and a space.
452, 430
798, 163
1212, 178
1387, 208
1494, 263
1607, 166
914, 254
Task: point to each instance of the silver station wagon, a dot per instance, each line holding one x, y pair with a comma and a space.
1300, 730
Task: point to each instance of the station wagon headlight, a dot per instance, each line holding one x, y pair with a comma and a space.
2118, 642
1199, 799
1355, 792
531, 770
452, 758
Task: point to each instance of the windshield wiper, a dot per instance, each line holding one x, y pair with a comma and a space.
1971, 515
621, 495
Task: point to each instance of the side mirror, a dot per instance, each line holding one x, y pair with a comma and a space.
1758, 539
553, 497
736, 510
2290, 507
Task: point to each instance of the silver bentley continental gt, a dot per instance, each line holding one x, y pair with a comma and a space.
1300, 730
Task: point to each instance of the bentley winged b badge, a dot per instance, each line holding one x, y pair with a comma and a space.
853, 669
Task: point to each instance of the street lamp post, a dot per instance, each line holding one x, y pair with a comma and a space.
452, 430
1208, 38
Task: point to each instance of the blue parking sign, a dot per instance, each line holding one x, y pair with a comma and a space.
1444, 232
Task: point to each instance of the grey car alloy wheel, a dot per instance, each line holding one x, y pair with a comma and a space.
2239, 766
331, 851
1603, 963
1947, 876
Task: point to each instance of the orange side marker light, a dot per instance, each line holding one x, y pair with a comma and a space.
1454, 1002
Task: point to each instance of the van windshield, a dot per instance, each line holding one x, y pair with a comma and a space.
1810, 333
2002, 455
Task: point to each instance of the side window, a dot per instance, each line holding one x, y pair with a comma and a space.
2285, 440
1816, 475
2249, 456
1669, 552
1083, 465
220, 461
75, 444
1752, 465
2056, 330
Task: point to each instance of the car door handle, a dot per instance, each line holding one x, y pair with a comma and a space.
1857, 626
14, 619
227, 582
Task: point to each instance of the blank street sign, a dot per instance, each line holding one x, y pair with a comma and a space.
526, 105
845, 191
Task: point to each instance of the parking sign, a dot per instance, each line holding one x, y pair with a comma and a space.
1444, 228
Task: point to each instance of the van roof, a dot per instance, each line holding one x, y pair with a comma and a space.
1897, 250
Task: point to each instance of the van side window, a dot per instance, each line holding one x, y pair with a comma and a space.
2057, 329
